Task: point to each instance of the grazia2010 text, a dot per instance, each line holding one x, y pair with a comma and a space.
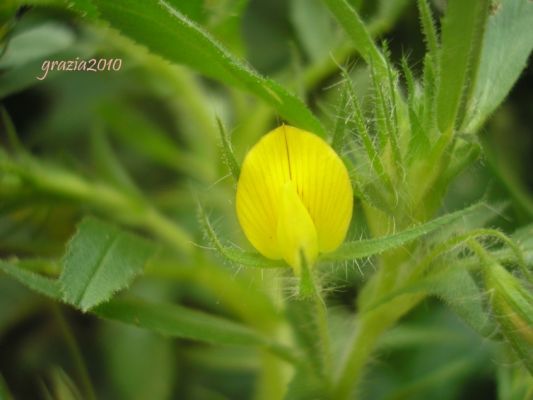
91, 65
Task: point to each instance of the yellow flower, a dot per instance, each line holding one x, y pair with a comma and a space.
294, 196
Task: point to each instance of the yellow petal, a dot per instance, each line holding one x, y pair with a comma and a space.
321, 181
295, 231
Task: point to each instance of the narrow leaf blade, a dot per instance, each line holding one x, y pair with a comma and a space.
507, 44
178, 321
369, 247
356, 29
36, 282
460, 29
166, 31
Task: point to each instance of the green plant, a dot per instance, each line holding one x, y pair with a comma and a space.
403, 139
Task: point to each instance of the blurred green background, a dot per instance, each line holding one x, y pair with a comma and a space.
146, 117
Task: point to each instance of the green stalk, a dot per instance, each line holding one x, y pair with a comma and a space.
272, 380
370, 328
310, 291
371, 325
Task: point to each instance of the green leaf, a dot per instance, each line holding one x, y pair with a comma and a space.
507, 44
36, 282
517, 296
362, 130
36, 44
192, 9
517, 332
354, 26
225, 22
83, 8
177, 321
167, 319
341, 120
100, 260
164, 30
369, 247
227, 152
429, 29
48, 41
460, 292
461, 28
512, 304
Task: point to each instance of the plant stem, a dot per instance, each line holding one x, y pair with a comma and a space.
323, 332
272, 380
372, 325
363, 343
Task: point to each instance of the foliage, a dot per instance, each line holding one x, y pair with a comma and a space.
123, 273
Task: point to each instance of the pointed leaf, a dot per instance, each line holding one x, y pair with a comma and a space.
460, 33
165, 30
227, 152
356, 29
429, 29
177, 321
369, 247
100, 260
507, 44
459, 291
36, 282
36, 44
167, 319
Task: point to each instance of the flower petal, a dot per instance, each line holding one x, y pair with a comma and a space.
289, 154
296, 231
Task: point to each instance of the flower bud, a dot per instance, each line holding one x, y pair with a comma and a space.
294, 196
